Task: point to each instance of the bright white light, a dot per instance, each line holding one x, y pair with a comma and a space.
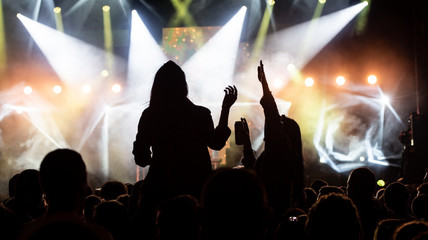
106, 8
278, 83
340, 80
104, 73
372, 79
72, 59
86, 88
322, 1
211, 68
322, 160
116, 88
293, 40
365, 3
57, 89
309, 82
145, 58
385, 99
28, 90
291, 67
57, 10
362, 159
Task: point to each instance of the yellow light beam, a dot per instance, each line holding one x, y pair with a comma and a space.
363, 18
3, 56
108, 38
261, 35
58, 19
182, 15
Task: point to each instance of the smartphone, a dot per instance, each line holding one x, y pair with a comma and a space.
239, 133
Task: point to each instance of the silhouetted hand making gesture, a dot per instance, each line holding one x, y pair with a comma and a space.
231, 94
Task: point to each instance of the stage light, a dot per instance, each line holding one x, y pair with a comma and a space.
211, 68
295, 42
372, 79
340, 80
57, 89
28, 90
365, 3
3, 47
57, 10
309, 82
116, 88
291, 67
271, 2
182, 14
322, 160
322, 1
86, 88
362, 159
380, 183
385, 99
106, 8
142, 69
105, 73
259, 44
278, 83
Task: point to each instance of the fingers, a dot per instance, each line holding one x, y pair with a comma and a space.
231, 90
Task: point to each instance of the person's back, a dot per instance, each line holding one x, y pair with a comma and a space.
233, 206
361, 189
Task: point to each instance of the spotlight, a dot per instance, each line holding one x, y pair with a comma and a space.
57, 10
322, 1
291, 67
362, 159
278, 83
340, 80
385, 99
28, 90
116, 88
365, 3
372, 79
86, 88
322, 160
309, 82
57, 89
104, 73
106, 8
380, 183
271, 2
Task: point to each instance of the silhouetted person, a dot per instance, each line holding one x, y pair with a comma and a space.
310, 198
89, 205
112, 215
173, 136
280, 166
326, 190
10, 201
386, 228
423, 188
112, 189
292, 225
176, 218
361, 188
410, 230
10, 225
420, 207
63, 177
333, 217
397, 200
317, 184
29, 204
234, 206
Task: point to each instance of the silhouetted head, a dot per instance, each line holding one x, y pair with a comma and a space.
236, 199
410, 230
420, 206
333, 217
317, 184
361, 184
396, 197
326, 190
386, 228
169, 85
12, 185
63, 177
28, 193
423, 188
112, 189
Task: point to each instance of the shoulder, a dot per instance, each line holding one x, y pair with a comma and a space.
202, 110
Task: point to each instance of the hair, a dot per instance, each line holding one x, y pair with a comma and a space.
169, 85
396, 196
409, 230
334, 216
361, 184
111, 190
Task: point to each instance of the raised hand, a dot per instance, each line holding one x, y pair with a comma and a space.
262, 78
231, 94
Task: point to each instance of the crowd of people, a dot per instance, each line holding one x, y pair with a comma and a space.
183, 198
